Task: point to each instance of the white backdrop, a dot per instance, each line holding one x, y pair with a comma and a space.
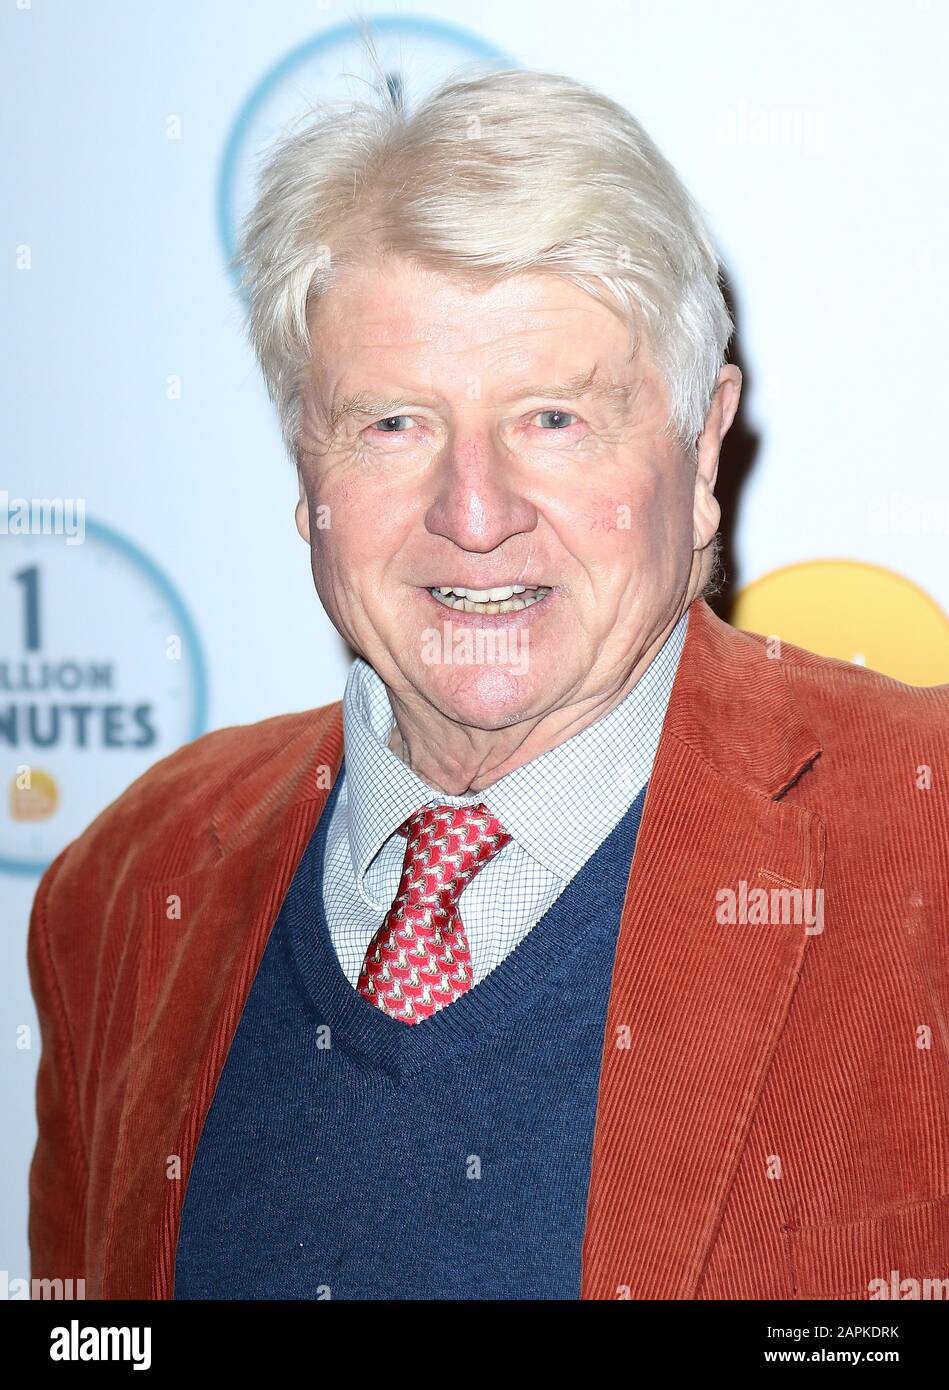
813, 134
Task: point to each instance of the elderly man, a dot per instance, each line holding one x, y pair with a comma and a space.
588, 947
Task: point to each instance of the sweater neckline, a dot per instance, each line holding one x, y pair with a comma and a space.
588, 907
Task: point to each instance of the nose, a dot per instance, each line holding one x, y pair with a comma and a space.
477, 504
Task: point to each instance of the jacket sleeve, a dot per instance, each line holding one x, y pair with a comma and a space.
59, 1170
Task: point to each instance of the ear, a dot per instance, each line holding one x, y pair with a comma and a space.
706, 513
301, 513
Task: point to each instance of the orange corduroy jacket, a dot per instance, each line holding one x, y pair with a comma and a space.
773, 1110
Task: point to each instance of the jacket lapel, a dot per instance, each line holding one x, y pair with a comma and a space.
697, 1004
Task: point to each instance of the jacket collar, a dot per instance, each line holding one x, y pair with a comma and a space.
733, 706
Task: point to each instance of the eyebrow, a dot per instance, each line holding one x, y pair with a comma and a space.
363, 405
583, 384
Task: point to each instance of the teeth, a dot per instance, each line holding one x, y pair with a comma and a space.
498, 595
504, 599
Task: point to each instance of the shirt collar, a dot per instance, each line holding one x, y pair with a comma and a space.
593, 777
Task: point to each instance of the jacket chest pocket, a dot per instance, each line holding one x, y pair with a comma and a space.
900, 1253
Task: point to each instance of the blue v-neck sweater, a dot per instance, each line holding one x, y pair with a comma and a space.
348, 1155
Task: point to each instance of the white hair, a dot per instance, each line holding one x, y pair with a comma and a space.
494, 173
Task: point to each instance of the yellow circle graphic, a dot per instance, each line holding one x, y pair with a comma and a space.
854, 611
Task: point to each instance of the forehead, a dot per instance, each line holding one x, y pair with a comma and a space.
396, 310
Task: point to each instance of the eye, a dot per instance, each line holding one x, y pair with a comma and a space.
562, 419
390, 425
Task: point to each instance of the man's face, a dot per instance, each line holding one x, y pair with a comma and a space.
469, 455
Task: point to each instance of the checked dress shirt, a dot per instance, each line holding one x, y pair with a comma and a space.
594, 776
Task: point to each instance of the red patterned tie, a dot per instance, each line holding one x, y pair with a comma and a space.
419, 959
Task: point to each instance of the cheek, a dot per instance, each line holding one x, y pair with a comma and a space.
612, 514
638, 539
652, 514
346, 526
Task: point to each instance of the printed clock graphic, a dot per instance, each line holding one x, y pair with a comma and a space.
101, 675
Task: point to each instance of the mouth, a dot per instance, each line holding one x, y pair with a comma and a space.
503, 598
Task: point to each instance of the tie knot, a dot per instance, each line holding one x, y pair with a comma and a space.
447, 845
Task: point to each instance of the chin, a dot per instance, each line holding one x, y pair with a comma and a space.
482, 697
